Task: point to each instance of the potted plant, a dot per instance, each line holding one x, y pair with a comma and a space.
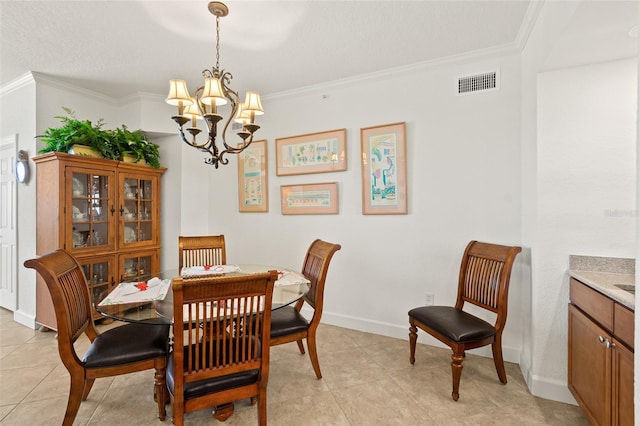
136, 148
73, 135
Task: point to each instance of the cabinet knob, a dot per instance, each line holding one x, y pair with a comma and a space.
601, 339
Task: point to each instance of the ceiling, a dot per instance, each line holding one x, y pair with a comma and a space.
120, 48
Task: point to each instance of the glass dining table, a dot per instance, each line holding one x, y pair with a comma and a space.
289, 288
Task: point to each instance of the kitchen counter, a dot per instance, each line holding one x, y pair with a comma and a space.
603, 274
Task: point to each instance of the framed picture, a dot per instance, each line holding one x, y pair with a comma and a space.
384, 169
312, 198
313, 153
252, 178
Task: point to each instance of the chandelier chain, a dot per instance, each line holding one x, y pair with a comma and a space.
217, 42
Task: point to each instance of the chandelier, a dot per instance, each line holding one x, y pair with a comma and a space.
208, 98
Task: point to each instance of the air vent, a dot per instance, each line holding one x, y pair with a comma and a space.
479, 82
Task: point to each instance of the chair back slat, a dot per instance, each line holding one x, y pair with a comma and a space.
227, 326
481, 283
67, 286
201, 250
74, 290
484, 277
315, 268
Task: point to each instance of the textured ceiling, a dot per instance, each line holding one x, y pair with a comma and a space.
120, 48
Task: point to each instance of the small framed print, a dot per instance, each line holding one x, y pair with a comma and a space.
252, 178
384, 169
312, 198
312, 153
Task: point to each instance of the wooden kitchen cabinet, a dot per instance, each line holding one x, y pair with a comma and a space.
105, 213
601, 361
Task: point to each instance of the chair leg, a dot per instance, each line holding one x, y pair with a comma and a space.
413, 338
456, 370
313, 353
160, 386
262, 408
300, 346
88, 384
177, 409
496, 347
73, 404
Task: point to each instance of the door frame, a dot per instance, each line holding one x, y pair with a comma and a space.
9, 225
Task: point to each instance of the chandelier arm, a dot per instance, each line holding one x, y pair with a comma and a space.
194, 143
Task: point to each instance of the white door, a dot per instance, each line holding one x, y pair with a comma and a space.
8, 230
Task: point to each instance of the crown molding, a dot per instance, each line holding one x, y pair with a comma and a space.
58, 84
141, 96
528, 23
20, 82
463, 58
40, 78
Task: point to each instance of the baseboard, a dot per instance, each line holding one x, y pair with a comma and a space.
555, 390
509, 354
22, 318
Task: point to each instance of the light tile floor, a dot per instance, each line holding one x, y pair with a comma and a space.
367, 380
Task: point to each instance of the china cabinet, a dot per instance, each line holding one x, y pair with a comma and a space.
104, 212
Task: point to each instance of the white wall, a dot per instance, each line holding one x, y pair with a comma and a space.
463, 184
586, 193
550, 21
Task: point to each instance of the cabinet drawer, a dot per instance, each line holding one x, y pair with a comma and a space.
596, 305
623, 325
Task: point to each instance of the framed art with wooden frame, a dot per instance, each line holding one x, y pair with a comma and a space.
252, 178
312, 153
384, 169
310, 198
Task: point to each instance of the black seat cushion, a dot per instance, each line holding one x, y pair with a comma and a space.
455, 324
127, 344
213, 385
287, 320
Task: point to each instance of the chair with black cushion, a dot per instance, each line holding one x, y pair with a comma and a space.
201, 250
287, 323
229, 359
120, 350
483, 281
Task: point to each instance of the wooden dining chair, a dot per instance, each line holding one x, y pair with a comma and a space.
287, 323
201, 250
483, 281
227, 360
120, 350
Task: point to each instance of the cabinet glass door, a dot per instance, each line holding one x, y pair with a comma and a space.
138, 210
90, 211
100, 277
138, 266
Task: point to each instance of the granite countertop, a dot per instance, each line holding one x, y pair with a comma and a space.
603, 273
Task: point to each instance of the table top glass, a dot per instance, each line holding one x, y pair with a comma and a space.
161, 311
